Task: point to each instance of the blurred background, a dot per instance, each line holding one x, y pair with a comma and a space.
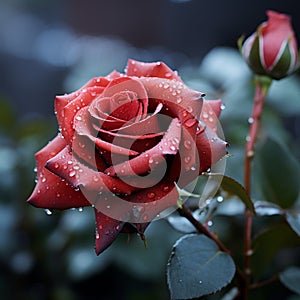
54, 47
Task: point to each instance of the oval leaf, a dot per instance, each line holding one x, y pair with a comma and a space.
197, 267
291, 278
279, 174
233, 187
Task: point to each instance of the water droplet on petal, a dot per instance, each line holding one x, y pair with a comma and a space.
70, 162
187, 144
56, 165
44, 179
151, 195
187, 159
173, 148
72, 173
189, 109
35, 170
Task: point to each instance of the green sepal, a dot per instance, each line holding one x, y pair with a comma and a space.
254, 58
282, 67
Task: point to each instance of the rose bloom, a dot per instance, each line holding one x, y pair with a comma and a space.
125, 142
272, 49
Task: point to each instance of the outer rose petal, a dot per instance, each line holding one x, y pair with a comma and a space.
107, 230
154, 69
66, 166
210, 112
274, 32
93, 86
211, 148
50, 190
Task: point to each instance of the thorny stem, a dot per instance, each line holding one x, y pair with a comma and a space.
262, 86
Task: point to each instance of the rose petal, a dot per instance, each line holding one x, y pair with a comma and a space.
210, 112
178, 100
142, 163
71, 109
51, 191
127, 84
107, 230
154, 69
95, 85
67, 166
211, 148
83, 129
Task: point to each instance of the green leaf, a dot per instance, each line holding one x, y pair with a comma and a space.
294, 221
233, 187
197, 267
279, 173
268, 243
291, 278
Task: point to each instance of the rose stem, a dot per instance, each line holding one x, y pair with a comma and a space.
262, 85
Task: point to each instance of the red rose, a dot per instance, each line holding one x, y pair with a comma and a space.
124, 141
272, 49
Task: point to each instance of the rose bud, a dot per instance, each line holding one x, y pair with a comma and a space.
126, 142
272, 49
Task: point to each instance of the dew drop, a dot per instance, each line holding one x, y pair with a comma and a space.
95, 178
76, 167
35, 170
57, 195
205, 115
187, 159
173, 148
56, 165
211, 119
222, 106
72, 173
48, 212
200, 281
97, 236
166, 188
189, 109
108, 206
117, 227
70, 162
44, 179
187, 144
248, 138
193, 168
210, 223
166, 85
151, 195
220, 199
179, 100
151, 160
250, 120
80, 209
